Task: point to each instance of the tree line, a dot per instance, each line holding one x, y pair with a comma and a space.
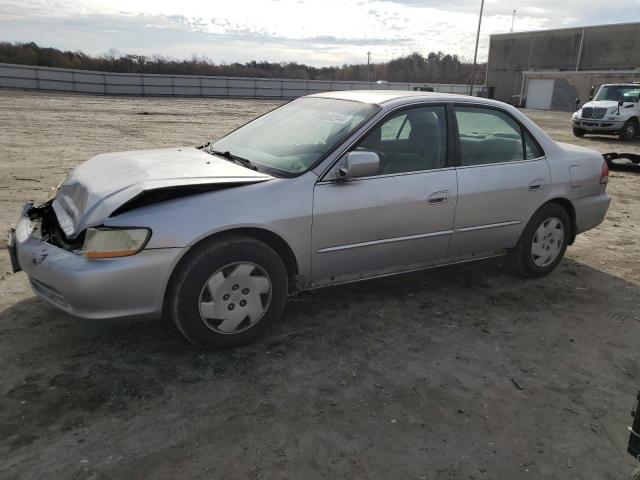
436, 67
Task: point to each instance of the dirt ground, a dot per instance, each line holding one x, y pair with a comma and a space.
463, 372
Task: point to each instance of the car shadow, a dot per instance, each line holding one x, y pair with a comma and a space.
308, 315
465, 326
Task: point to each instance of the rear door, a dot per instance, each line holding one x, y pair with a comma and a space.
503, 177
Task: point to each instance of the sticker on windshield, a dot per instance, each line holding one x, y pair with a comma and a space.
335, 118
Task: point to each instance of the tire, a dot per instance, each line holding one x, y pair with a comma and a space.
227, 292
578, 132
629, 131
540, 258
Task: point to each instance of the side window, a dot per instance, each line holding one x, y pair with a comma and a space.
531, 148
631, 96
413, 140
395, 129
405, 132
489, 136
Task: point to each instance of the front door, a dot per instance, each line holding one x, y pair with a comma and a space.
503, 178
397, 219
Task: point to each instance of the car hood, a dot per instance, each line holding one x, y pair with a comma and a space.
601, 104
96, 188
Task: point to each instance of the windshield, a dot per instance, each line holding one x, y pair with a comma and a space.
625, 93
292, 138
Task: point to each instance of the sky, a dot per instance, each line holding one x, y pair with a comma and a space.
315, 32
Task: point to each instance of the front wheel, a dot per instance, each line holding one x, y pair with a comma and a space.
543, 241
227, 292
578, 132
629, 131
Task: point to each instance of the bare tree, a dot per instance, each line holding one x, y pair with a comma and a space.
436, 67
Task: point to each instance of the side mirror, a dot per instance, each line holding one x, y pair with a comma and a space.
358, 164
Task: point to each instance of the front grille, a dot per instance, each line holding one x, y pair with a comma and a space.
589, 112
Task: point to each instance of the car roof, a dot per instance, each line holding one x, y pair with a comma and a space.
396, 97
623, 84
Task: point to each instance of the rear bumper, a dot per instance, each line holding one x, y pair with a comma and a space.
590, 211
600, 125
98, 289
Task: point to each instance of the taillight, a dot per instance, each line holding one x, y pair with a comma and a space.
604, 176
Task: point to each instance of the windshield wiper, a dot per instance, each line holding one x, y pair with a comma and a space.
235, 158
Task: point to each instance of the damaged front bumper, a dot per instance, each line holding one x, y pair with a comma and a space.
131, 286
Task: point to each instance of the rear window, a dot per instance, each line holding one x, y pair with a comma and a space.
531, 148
490, 136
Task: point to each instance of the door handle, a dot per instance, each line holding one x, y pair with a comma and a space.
438, 197
537, 185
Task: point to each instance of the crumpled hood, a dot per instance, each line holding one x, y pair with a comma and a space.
96, 188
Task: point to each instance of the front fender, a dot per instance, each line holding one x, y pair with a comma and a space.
280, 206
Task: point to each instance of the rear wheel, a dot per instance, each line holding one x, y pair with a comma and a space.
578, 132
543, 241
227, 292
629, 131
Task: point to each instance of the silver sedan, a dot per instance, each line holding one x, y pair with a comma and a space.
327, 189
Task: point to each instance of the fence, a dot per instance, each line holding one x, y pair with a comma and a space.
26, 77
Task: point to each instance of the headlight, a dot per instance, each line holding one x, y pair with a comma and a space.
114, 242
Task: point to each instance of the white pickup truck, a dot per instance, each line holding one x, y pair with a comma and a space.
614, 110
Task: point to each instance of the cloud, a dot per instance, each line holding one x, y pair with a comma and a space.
321, 33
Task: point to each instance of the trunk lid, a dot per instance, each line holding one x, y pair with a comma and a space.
99, 186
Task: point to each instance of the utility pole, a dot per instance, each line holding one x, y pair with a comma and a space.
580, 51
368, 67
475, 55
513, 20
